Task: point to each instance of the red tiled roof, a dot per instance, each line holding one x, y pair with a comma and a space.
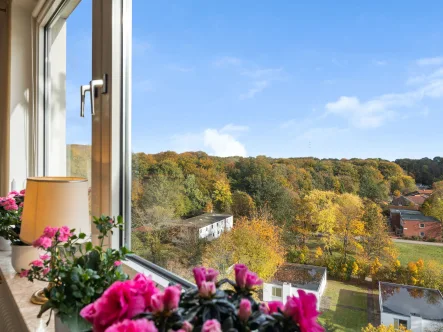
417, 199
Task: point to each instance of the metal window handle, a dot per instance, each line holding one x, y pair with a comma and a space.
83, 90
94, 84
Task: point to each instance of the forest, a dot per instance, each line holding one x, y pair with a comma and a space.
425, 171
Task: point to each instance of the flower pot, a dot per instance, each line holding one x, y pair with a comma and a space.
73, 324
5, 245
60, 326
22, 255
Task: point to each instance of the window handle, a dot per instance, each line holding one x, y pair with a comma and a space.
94, 85
83, 90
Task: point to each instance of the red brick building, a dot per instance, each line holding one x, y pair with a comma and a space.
410, 223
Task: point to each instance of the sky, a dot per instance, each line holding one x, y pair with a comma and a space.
278, 78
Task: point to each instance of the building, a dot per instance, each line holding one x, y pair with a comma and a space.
211, 225
291, 277
409, 200
410, 223
418, 309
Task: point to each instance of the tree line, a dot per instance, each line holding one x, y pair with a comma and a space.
425, 171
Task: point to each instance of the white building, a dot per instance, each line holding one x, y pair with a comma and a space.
211, 225
291, 277
418, 309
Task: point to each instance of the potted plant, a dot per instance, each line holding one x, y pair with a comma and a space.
77, 271
11, 208
214, 306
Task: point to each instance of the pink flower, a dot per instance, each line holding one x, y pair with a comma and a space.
303, 311
117, 303
139, 325
157, 302
274, 306
117, 263
46, 270
24, 273
202, 274
13, 193
187, 327
252, 280
211, 325
88, 312
37, 263
145, 287
263, 307
45, 257
171, 298
64, 234
240, 275
50, 232
21, 205
207, 289
211, 275
244, 310
23, 191
42, 242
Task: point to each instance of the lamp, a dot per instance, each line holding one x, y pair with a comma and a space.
55, 202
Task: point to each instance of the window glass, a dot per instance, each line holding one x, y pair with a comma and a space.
296, 129
276, 291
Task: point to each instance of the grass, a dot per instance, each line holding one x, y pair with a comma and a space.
412, 252
345, 306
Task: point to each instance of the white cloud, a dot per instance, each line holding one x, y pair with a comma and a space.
180, 69
257, 87
376, 111
423, 78
233, 128
227, 61
380, 62
430, 61
218, 142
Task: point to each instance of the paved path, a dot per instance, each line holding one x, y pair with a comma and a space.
436, 244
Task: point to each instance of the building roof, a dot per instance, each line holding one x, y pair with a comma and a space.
205, 219
416, 215
410, 300
417, 199
302, 276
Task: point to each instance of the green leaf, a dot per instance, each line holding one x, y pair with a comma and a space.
45, 307
89, 246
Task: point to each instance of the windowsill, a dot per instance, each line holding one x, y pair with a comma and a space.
22, 290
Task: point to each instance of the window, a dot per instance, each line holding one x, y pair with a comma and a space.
422, 225
400, 322
277, 292
422, 234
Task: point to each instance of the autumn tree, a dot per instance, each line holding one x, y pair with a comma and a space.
349, 224
256, 243
433, 205
384, 328
222, 196
242, 204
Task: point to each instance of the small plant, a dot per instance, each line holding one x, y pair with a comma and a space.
11, 208
214, 306
78, 272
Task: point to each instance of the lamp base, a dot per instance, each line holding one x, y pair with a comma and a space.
39, 297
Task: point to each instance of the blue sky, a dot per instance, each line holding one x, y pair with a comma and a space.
280, 78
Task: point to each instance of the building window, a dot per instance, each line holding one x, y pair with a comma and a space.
422, 234
277, 292
422, 225
400, 322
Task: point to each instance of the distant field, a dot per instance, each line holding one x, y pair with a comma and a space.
413, 252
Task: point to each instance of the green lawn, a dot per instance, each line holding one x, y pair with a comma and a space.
345, 305
412, 252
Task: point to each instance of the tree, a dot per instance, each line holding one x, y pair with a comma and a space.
372, 184
433, 205
256, 243
222, 196
384, 328
242, 204
349, 225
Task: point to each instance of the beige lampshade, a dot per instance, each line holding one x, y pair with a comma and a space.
55, 202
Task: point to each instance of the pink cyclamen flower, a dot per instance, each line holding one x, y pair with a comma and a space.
211, 275
158, 303
252, 280
117, 303
274, 306
23, 192
46, 270
45, 257
244, 310
240, 275
88, 312
199, 275
207, 289
117, 263
211, 325
145, 287
24, 273
171, 298
50, 232
263, 307
139, 325
42, 242
13, 193
37, 263
303, 311
187, 327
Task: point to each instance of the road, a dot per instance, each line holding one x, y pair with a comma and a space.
436, 244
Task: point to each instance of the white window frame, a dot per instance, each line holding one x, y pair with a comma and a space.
275, 290
397, 323
422, 225
422, 234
